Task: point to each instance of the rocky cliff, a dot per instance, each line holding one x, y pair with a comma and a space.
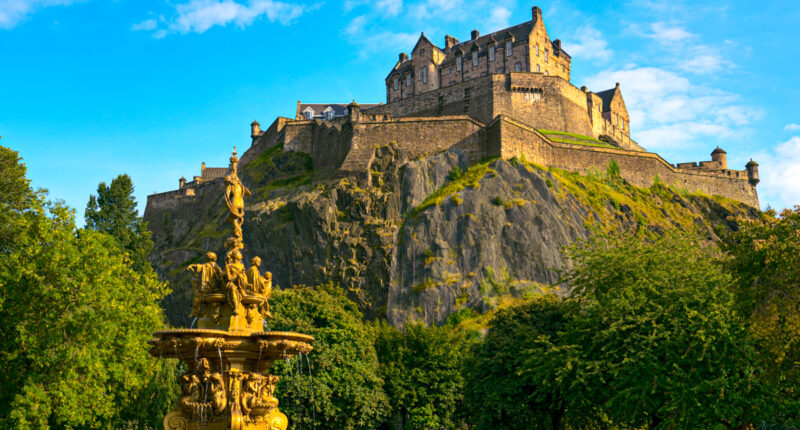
427, 237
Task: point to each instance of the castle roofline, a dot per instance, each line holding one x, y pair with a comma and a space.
718, 150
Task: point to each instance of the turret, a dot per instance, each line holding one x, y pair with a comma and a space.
355, 111
719, 155
255, 129
752, 172
181, 183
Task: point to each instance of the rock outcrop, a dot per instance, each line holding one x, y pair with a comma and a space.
427, 237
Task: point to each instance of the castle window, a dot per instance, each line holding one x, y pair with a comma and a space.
545, 55
424, 76
499, 70
518, 67
491, 53
537, 49
458, 63
419, 74
408, 80
546, 73
508, 48
396, 83
329, 114
421, 52
309, 115
475, 59
538, 69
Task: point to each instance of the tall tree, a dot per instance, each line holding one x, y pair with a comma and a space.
113, 211
766, 264
75, 319
662, 344
15, 195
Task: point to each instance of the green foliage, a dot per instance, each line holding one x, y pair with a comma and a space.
422, 368
766, 263
520, 375
612, 170
661, 344
113, 211
15, 195
75, 319
347, 387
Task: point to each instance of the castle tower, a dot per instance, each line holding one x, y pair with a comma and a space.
752, 172
181, 183
719, 155
255, 129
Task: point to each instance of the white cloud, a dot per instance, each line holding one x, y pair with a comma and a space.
14, 11
200, 15
498, 19
588, 42
792, 127
148, 24
780, 175
390, 7
667, 111
665, 33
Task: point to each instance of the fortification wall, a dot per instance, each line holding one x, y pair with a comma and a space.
417, 136
639, 168
267, 139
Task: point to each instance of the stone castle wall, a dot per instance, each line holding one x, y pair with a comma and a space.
639, 168
540, 101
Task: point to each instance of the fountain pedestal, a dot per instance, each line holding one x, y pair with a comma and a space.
229, 356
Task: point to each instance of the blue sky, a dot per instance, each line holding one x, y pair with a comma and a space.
152, 88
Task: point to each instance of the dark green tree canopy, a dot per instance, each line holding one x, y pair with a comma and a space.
113, 211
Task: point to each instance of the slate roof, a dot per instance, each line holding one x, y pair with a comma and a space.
214, 172
606, 96
518, 32
339, 110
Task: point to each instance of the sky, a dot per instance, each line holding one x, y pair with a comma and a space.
90, 89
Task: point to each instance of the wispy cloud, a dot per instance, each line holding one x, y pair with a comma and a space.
668, 112
792, 127
197, 16
12, 12
371, 40
498, 19
588, 42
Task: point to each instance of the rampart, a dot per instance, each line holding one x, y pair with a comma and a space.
639, 168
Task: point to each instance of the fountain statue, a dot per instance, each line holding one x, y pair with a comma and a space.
229, 355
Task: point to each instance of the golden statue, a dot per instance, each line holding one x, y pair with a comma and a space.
237, 280
234, 197
208, 277
260, 285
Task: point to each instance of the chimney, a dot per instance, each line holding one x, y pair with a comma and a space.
403, 57
181, 183
202, 168
255, 129
536, 13
449, 42
475, 34
557, 44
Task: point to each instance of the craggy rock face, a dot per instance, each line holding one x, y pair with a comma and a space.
427, 237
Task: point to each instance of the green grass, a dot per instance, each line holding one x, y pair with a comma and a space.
457, 181
575, 139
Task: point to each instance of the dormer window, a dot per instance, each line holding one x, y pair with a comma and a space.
309, 114
329, 114
458, 63
396, 83
475, 58
491, 53
508, 48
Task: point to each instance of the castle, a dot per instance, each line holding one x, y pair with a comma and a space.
504, 94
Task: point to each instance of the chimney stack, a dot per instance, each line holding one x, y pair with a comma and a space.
536, 13
403, 57
475, 34
449, 42
181, 183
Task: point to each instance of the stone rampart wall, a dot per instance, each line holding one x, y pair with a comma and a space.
639, 168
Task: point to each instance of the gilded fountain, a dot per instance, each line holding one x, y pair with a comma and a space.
228, 384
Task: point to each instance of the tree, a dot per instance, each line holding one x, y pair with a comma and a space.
113, 211
423, 372
75, 318
520, 375
15, 195
660, 340
766, 263
345, 390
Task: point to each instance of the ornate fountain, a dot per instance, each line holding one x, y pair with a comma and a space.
229, 355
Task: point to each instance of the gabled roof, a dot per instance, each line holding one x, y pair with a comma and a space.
607, 96
517, 32
423, 38
339, 109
